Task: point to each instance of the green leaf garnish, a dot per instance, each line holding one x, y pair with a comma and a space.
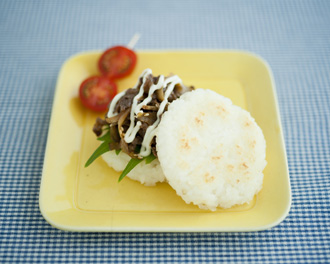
103, 148
133, 163
130, 166
150, 158
106, 137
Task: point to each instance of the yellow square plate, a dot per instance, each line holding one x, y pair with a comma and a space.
90, 199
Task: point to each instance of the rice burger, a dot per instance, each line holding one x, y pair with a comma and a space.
211, 152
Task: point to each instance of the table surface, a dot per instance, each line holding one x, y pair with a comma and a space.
38, 36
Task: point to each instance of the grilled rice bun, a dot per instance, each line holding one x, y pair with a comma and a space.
211, 152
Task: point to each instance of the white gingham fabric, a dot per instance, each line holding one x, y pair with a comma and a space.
36, 37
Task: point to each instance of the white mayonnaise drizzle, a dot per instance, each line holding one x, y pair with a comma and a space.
113, 104
136, 108
133, 129
151, 130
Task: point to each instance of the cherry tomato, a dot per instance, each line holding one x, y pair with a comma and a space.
96, 92
117, 62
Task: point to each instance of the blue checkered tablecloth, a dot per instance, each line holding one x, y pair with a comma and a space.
36, 37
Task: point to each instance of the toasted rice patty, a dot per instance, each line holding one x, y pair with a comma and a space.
212, 152
147, 174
